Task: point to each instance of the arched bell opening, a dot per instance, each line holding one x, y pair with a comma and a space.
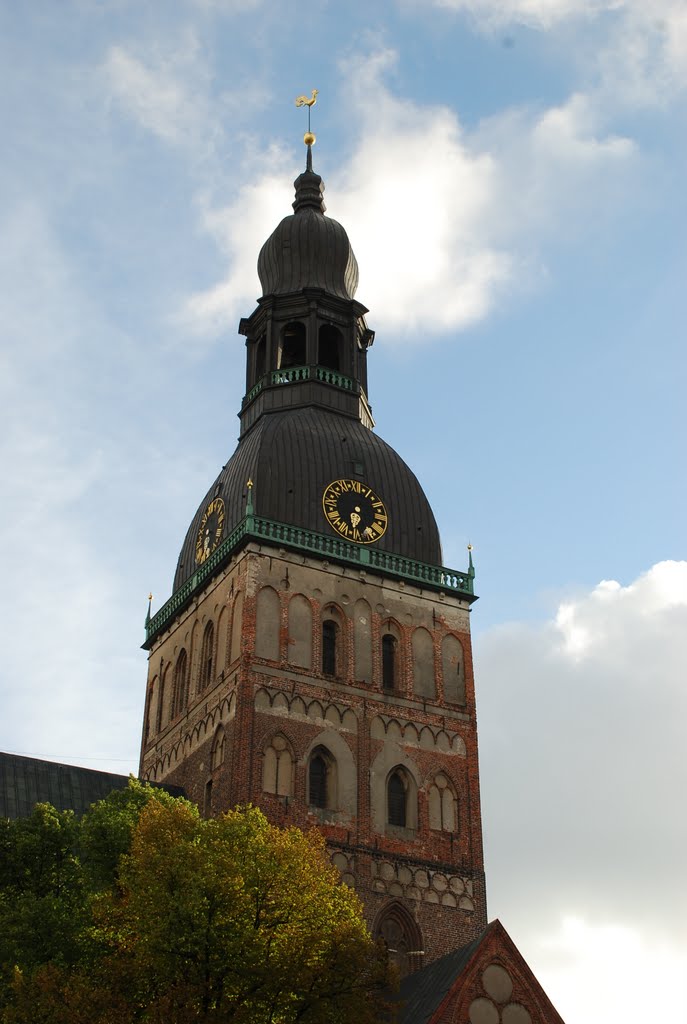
329, 342
292, 350
260, 358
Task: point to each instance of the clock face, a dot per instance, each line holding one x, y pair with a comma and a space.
210, 531
354, 511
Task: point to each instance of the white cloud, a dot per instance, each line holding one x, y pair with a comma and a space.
442, 222
166, 93
535, 13
583, 782
239, 230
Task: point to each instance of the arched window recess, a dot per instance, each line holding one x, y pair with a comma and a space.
180, 684
329, 342
401, 799
293, 347
207, 653
322, 780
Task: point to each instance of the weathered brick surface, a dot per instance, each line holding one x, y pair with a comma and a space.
437, 876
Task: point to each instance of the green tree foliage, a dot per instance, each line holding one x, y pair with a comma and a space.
43, 905
229, 919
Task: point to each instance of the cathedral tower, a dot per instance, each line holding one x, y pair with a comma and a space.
314, 657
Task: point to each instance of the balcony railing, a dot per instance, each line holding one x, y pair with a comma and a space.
254, 527
296, 374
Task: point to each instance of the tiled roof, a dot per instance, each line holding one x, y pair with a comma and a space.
421, 993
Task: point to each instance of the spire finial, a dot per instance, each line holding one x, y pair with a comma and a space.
150, 604
309, 137
471, 568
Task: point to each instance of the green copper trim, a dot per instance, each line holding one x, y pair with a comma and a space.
296, 374
254, 527
255, 390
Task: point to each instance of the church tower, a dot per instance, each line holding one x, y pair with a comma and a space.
314, 658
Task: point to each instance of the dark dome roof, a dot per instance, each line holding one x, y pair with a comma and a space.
292, 457
308, 250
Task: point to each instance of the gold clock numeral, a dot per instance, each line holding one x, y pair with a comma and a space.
354, 511
210, 530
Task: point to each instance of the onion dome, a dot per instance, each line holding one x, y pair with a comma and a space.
292, 457
308, 250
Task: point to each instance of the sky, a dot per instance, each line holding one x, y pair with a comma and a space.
511, 176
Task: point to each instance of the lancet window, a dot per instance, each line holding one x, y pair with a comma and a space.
207, 657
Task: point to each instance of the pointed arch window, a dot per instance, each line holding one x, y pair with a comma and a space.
317, 778
149, 709
402, 938
180, 683
322, 779
207, 657
164, 691
389, 662
397, 799
218, 745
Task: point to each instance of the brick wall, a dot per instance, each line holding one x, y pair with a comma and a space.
432, 879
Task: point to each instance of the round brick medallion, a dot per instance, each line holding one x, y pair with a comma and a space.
514, 1013
483, 1011
497, 983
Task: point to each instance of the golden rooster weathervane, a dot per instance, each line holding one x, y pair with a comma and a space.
303, 101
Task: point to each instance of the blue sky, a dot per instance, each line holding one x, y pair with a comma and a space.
511, 176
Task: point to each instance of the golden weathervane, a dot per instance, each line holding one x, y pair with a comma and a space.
303, 101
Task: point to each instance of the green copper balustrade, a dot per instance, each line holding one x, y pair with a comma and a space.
295, 374
335, 378
255, 390
258, 528
290, 375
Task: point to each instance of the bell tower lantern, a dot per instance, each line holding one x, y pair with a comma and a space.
307, 328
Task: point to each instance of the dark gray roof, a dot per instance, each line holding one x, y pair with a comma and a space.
421, 993
292, 456
25, 781
307, 249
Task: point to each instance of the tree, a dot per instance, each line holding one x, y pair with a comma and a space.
230, 919
43, 904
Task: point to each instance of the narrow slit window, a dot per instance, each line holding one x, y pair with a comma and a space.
389, 662
329, 642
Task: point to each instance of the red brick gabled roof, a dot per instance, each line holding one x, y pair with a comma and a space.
486, 981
